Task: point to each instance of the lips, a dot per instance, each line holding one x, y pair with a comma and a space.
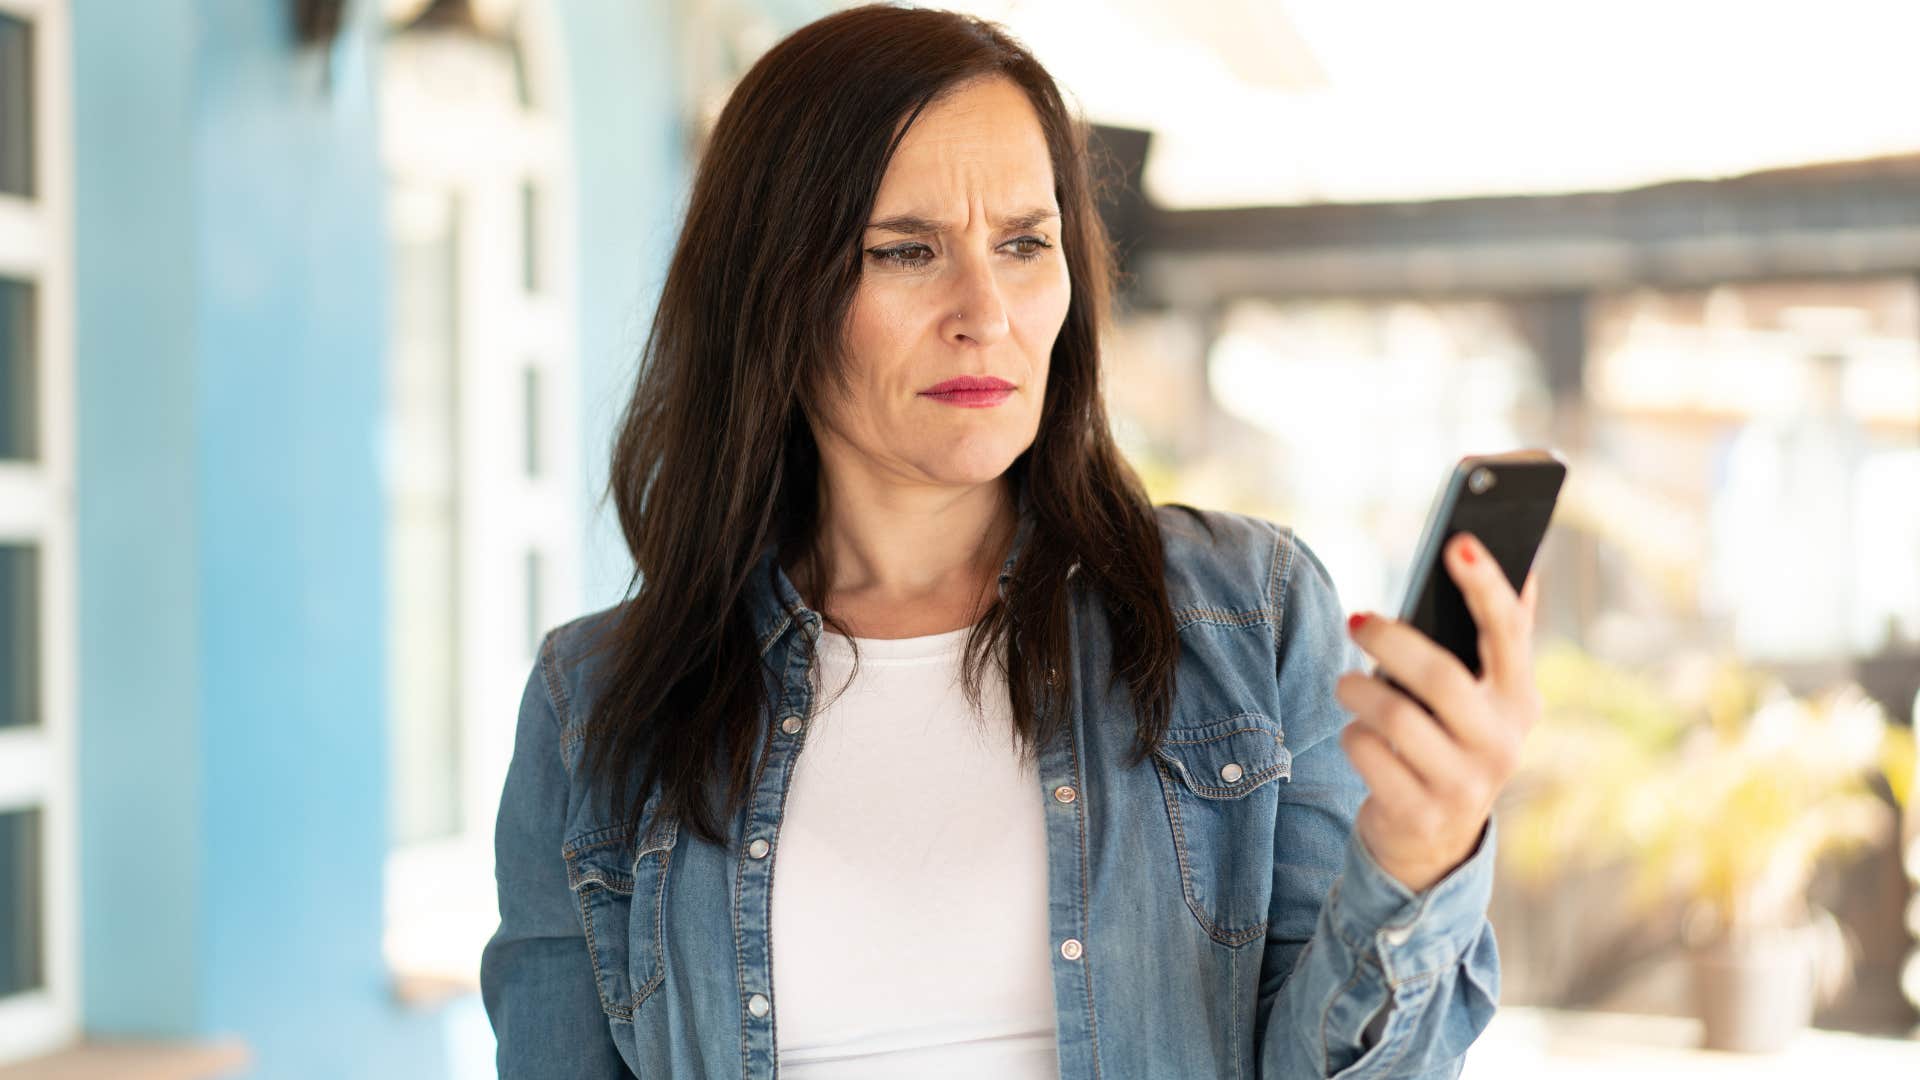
971, 399
967, 383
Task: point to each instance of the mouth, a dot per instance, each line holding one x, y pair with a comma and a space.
971, 391
969, 383
971, 399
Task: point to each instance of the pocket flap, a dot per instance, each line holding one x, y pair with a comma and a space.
1228, 758
605, 859
608, 857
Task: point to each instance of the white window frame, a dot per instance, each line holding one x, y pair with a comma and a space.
440, 895
36, 506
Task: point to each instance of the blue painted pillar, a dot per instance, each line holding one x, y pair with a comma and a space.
231, 290
140, 671
231, 301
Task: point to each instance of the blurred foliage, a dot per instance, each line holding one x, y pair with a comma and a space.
1158, 475
1720, 788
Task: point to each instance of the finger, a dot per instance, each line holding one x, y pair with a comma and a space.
1530, 598
1429, 672
1495, 608
1426, 747
1387, 777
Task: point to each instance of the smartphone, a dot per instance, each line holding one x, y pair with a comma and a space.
1506, 501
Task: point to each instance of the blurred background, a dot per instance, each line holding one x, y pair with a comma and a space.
316, 316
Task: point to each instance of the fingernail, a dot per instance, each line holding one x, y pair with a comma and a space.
1355, 621
1466, 551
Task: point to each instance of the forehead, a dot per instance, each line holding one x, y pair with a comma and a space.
982, 141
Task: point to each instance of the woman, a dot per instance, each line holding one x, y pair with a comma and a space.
1058, 782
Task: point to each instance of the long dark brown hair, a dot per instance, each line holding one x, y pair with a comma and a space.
715, 456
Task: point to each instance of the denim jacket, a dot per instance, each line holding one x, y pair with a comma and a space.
1211, 910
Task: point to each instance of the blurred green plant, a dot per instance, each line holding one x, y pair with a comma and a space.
1724, 792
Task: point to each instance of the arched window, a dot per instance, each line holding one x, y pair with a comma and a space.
482, 460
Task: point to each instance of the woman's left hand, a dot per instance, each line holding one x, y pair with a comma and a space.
1432, 779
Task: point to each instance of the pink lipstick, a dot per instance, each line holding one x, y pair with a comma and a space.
970, 391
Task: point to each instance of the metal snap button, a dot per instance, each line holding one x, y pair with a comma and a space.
758, 849
758, 1005
1231, 772
1070, 948
1397, 935
1064, 793
790, 725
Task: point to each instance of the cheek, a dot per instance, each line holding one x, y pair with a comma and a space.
880, 325
879, 336
1040, 311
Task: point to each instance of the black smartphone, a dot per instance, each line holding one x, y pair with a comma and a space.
1506, 501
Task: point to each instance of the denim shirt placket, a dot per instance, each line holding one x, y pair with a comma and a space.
1063, 790
755, 851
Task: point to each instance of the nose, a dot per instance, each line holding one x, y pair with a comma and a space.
978, 313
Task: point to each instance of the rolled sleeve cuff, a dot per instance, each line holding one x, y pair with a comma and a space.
1413, 933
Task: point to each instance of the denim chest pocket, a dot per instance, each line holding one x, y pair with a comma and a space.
1221, 785
621, 890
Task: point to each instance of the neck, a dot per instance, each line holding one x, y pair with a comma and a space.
896, 548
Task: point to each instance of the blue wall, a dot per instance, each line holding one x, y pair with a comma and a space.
231, 309
623, 90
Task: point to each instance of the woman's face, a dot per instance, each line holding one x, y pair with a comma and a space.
962, 275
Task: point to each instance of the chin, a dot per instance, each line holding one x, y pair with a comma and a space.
974, 466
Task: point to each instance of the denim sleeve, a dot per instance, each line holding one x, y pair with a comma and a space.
1361, 979
536, 977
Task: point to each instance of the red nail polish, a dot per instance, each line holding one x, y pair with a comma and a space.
1466, 552
1355, 621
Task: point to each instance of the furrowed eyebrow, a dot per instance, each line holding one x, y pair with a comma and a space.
915, 225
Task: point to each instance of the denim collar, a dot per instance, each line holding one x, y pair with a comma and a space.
776, 606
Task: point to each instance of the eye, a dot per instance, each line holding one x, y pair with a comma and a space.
1030, 252
900, 255
917, 255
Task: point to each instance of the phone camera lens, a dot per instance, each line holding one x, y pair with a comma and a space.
1480, 480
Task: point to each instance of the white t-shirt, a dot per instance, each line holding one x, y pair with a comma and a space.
910, 882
